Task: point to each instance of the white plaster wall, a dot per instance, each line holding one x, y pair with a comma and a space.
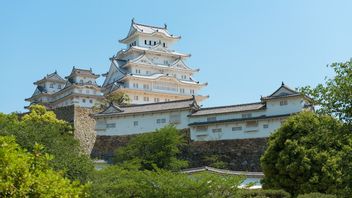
294, 104
146, 123
227, 133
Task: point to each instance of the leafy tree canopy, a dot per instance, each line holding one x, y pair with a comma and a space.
42, 126
150, 150
24, 174
117, 182
309, 153
335, 96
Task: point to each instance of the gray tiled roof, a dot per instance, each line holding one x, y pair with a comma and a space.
152, 107
229, 109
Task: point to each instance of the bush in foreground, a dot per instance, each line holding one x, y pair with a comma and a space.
316, 195
309, 153
117, 182
42, 127
24, 174
264, 194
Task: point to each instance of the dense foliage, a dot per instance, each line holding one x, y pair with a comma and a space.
158, 149
335, 96
24, 174
42, 126
264, 194
316, 195
117, 182
309, 153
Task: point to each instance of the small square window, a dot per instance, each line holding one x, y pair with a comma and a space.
161, 121
111, 125
135, 123
239, 128
217, 130
283, 102
209, 119
91, 101
265, 126
84, 100
246, 115
135, 97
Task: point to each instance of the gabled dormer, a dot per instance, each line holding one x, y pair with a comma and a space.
82, 76
147, 36
285, 100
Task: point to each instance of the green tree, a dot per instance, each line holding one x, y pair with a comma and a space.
118, 182
158, 149
42, 126
335, 96
116, 98
308, 153
24, 174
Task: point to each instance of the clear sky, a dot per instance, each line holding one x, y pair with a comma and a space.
244, 49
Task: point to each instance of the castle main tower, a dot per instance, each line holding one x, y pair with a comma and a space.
148, 70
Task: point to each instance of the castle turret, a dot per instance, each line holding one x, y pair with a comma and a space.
148, 70
79, 89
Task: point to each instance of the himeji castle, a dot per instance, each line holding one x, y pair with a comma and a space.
79, 88
148, 70
162, 91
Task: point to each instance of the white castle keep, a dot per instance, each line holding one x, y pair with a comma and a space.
162, 92
148, 70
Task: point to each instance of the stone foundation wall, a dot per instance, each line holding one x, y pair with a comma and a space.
83, 123
239, 155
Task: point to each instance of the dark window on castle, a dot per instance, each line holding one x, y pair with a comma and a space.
154, 42
84, 100
237, 128
150, 42
145, 41
164, 44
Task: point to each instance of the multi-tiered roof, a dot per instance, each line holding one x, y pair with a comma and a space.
148, 70
79, 89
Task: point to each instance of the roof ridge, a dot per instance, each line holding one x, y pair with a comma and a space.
156, 103
151, 26
236, 105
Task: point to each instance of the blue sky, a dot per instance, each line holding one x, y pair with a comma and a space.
244, 49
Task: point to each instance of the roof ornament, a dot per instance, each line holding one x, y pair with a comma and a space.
282, 83
165, 25
55, 71
132, 20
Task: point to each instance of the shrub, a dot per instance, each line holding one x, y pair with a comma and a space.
153, 150
316, 195
264, 194
309, 153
